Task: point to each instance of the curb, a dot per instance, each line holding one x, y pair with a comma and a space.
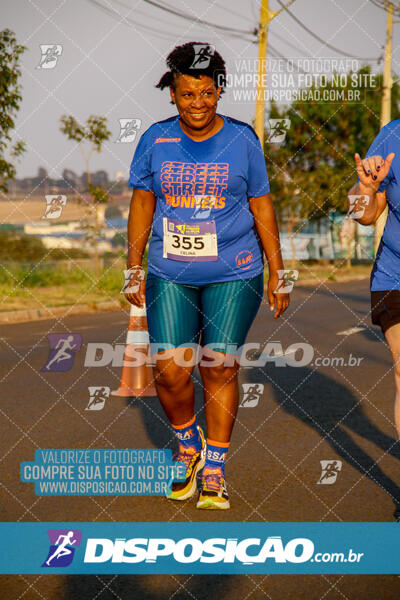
314, 282
38, 314
308, 282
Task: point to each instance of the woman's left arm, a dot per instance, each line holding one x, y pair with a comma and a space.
267, 229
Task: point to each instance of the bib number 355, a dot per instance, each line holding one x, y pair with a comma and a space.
187, 243
192, 242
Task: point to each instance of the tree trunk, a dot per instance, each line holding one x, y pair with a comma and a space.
95, 241
96, 227
348, 254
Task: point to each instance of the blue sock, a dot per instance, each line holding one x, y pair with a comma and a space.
216, 455
188, 435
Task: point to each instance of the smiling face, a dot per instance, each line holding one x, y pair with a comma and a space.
196, 100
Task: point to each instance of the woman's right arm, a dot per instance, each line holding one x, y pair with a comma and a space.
371, 172
140, 220
141, 213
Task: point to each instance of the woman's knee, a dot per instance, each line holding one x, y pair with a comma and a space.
220, 373
170, 375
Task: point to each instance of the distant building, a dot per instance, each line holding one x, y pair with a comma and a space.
68, 235
69, 183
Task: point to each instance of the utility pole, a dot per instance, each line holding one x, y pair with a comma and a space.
385, 108
387, 72
266, 16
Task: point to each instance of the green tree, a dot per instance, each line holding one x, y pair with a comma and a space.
10, 100
94, 132
312, 171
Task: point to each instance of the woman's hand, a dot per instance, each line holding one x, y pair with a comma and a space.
276, 299
373, 170
135, 288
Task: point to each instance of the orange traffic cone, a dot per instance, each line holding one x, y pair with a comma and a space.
136, 380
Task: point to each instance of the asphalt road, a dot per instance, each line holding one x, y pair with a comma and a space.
332, 408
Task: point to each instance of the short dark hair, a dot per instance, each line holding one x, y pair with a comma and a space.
180, 62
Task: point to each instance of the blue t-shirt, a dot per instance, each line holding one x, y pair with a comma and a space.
386, 271
202, 186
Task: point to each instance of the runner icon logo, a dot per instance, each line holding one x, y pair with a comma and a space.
202, 56
62, 349
203, 206
287, 278
50, 55
330, 471
62, 547
54, 206
251, 394
128, 130
278, 129
98, 396
357, 205
132, 279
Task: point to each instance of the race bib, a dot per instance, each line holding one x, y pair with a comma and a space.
192, 242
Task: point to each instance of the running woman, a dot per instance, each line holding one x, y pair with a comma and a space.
201, 184
379, 186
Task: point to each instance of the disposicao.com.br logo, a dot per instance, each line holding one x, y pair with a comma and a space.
247, 551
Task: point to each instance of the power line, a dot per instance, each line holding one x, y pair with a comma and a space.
195, 19
285, 41
234, 12
347, 54
163, 22
275, 53
384, 5
116, 14
230, 33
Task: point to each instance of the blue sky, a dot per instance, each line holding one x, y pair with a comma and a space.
110, 64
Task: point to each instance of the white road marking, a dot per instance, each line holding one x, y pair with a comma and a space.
351, 331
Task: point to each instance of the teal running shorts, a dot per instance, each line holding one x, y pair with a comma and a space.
216, 315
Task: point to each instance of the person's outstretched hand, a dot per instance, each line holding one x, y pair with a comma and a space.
372, 171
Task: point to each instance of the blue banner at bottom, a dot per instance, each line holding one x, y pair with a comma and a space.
209, 548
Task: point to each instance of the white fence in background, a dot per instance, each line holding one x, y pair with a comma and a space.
307, 246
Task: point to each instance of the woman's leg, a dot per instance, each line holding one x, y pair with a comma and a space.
173, 320
228, 310
392, 336
221, 398
174, 385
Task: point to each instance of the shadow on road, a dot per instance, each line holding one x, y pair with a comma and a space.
317, 401
155, 421
149, 587
153, 587
312, 397
373, 334
330, 409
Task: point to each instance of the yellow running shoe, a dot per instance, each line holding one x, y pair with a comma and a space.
182, 490
213, 493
